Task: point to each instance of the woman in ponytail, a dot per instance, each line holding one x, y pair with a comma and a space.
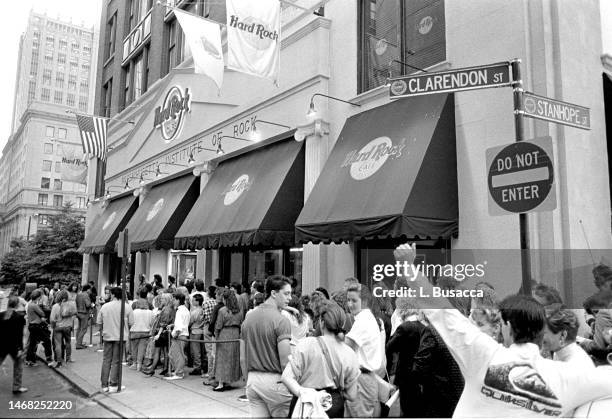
324, 363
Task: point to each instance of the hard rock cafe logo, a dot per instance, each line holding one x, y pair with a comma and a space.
155, 209
365, 162
257, 34
170, 117
109, 220
233, 191
425, 25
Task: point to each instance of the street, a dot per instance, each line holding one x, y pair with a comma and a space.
44, 384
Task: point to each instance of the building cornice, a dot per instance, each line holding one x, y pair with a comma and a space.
313, 25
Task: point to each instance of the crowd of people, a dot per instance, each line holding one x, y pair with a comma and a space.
49, 318
345, 353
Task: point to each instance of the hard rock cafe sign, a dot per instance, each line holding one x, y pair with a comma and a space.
170, 117
365, 162
232, 192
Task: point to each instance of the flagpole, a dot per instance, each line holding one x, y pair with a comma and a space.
102, 117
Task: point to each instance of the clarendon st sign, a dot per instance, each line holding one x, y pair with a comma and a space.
481, 77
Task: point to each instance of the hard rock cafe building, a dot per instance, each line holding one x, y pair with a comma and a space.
325, 195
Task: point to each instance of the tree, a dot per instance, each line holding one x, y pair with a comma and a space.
50, 256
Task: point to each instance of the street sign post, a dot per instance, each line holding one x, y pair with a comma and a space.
124, 253
481, 77
551, 110
521, 177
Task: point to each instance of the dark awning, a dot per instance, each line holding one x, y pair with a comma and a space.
391, 174
161, 213
252, 199
105, 230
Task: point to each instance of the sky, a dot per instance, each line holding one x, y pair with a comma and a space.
14, 24
88, 11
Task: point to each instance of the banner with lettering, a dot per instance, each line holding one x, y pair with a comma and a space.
253, 37
73, 166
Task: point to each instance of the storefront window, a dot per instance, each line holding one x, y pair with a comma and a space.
184, 266
265, 263
245, 266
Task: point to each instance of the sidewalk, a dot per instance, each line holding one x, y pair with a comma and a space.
151, 396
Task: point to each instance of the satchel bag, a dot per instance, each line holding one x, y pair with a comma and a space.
338, 395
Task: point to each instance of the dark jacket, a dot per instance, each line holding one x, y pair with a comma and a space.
83, 303
11, 330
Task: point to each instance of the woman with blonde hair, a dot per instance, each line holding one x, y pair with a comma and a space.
324, 363
160, 333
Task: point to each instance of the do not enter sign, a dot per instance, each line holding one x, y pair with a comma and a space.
521, 177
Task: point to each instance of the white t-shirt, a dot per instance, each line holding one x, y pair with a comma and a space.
516, 381
366, 334
574, 354
181, 322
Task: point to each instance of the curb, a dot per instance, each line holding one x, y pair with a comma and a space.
94, 393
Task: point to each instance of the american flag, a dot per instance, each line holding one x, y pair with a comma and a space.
93, 135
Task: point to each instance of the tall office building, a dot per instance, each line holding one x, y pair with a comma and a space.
42, 165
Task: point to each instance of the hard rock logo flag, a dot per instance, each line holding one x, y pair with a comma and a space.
253, 37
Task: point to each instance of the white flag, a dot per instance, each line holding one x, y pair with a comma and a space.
204, 40
253, 37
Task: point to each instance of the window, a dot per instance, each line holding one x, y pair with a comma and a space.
138, 76
81, 202
43, 199
45, 183
49, 131
59, 80
44, 220
409, 31
174, 45
86, 50
35, 44
126, 89
57, 185
48, 148
31, 90
46, 165
58, 167
45, 95
61, 133
111, 35
70, 99
107, 94
58, 200
85, 68
74, 66
61, 58
34, 66
59, 150
58, 98
72, 82
213, 10
84, 85
63, 44
46, 79
49, 57
83, 103
50, 40
75, 47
